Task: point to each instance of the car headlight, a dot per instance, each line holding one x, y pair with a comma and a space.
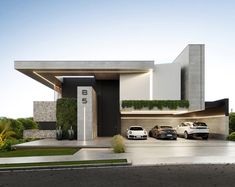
130, 132
145, 132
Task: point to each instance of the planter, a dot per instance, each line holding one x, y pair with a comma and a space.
128, 105
129, 109
59, 134
71, 133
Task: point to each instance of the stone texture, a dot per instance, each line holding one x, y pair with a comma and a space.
44, 111
35, 133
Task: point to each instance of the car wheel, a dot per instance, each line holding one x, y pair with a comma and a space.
175, 138
150, 134
186, 135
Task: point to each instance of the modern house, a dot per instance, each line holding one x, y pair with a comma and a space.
101, 87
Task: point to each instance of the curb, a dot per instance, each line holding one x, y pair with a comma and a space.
128, 163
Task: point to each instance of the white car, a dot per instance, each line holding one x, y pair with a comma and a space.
136, 132
191, 129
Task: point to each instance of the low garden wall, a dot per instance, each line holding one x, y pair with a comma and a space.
35, 133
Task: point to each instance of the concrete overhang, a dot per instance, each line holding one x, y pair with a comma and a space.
46, 72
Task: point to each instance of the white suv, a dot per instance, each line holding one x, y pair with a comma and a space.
190, 129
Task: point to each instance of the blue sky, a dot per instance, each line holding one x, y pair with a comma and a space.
111, 29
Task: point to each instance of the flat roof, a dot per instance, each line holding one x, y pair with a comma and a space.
47, 72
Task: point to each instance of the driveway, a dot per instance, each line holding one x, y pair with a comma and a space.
152, 151
148, 152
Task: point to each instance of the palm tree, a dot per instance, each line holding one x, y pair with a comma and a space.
5, 132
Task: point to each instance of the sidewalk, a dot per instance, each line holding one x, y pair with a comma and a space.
82, 154
135, 158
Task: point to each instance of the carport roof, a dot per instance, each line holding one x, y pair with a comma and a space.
47, 72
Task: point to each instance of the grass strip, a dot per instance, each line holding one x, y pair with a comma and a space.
67, 163
39, 152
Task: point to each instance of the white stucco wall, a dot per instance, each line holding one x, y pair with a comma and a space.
135, 86
167, 82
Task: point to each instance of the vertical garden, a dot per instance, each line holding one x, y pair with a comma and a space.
66, 117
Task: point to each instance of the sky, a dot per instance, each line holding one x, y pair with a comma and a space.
112, 30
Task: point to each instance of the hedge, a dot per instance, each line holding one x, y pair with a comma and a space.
28, 123
160, 104
231, 122
231, 136
66, 115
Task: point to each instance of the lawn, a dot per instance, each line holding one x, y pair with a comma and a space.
39, 152
67, 163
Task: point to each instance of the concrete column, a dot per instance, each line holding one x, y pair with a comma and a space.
86, 113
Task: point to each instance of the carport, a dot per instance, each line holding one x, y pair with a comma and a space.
215, 115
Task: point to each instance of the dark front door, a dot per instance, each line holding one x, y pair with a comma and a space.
108, 107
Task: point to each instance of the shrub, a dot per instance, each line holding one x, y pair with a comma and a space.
17, 127
66, 115
28, 123
171, 104
231, 136
231, 122
9, 142
5, 132
118, 144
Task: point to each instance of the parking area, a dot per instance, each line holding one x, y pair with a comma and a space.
140, 152
179, 140
154, 151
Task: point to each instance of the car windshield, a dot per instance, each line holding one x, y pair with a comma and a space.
165, 127
196, 124
136, 128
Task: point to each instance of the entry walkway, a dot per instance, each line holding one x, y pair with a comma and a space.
100, 142
151, 152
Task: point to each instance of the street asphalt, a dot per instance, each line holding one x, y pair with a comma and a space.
155, 163
198, 175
